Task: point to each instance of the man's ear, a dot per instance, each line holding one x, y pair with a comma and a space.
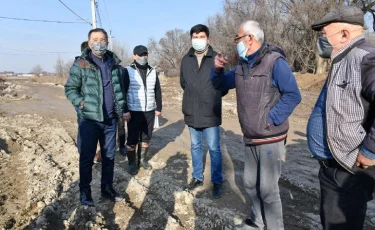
345, 35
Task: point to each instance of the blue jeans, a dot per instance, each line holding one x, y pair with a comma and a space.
212, 136
90, 133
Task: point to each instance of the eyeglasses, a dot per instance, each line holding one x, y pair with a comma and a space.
323, 34
236, 39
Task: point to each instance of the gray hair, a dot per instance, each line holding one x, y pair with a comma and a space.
253, 28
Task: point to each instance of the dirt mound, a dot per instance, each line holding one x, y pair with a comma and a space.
42, 189
10, 91
310, 82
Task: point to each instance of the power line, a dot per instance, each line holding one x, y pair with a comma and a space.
100, 19
74, 12
110, 27
37, 52
29, 53
39, 20
106, 11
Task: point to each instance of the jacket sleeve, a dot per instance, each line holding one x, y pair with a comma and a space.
74, 84
158, 97
125, 88
284, 79
223, 81
182, 79
368, 91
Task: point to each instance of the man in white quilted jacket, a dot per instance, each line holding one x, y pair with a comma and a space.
144, 101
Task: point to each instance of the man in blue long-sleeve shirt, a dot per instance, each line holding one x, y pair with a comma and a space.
267, 94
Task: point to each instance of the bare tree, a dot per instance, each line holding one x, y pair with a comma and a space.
59, 67
67, 67
123, 52
370, 37
367, 6
169, 50
286, 23
37, 70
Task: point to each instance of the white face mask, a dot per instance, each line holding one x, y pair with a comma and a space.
199, 44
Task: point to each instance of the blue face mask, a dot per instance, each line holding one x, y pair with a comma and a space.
242, 50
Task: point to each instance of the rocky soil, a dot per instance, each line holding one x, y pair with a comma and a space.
39, 169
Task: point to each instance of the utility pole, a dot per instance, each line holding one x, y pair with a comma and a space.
93, 14
111, 40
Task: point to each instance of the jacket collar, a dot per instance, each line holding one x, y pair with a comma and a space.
86, 55
134, 66
263, 50
356, 42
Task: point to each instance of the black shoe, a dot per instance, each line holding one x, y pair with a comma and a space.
123, 151
247, 225
109, 193
132, 169
250, 223
217, 192
85, 197
193, 184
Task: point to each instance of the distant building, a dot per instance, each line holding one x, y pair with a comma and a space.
28, 75
7, 73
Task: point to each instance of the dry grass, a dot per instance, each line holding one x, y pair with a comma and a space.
311, 82
54, 80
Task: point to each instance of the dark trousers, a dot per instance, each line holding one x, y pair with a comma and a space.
140, 127
78, 122
121, 132
344, 197
90, 133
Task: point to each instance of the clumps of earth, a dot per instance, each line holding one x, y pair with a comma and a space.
10, 91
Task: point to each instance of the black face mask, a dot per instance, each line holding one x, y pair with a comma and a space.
324, 47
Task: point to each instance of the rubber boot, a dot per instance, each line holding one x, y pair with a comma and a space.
142, 154
132, 162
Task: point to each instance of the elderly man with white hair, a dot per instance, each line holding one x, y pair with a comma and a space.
267, 94
341, 128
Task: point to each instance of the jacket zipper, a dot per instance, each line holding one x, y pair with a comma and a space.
145, 88
100, 98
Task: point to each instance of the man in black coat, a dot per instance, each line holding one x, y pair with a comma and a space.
201, 106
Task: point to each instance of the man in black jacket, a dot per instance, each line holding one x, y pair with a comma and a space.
201, 106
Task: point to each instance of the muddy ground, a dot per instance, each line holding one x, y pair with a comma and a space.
39, 169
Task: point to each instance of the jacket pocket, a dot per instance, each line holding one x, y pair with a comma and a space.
344, 88
187, 103
211, 103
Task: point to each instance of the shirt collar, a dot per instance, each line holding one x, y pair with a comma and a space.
345, 47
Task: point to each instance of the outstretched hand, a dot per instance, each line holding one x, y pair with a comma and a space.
220, 62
